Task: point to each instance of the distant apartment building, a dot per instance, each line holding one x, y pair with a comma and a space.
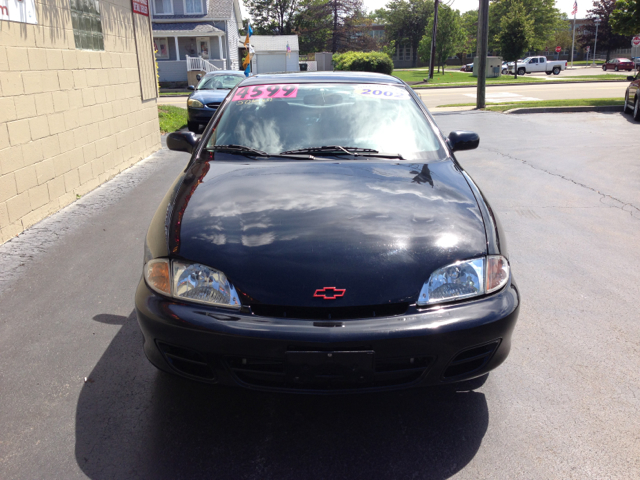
78, 97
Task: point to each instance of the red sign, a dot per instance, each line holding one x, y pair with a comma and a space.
141, 7
635, 41
558, 49
587, 48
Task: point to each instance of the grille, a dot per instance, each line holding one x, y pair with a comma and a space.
187, 362
330, 313
213, 104
471, 360
270, 373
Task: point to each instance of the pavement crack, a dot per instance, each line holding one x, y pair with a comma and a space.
624, 206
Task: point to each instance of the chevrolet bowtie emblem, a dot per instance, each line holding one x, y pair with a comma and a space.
330, 293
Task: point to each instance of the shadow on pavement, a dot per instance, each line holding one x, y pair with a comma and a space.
135, 422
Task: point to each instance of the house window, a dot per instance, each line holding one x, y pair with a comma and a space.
400, 53
87, 25
163, 7
192, 7
161, 46
407, 53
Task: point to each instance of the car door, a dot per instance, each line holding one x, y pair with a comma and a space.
533, 65
542, 64
634, 88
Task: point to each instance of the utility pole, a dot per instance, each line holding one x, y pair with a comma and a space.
482, 49
433, 40
597, 22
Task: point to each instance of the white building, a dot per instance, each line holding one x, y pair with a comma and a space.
271, 55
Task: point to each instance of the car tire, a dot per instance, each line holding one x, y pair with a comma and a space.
505, 71
636, 108
521, 71
548, 73
193, 127
604, 68
616, 68
556, 70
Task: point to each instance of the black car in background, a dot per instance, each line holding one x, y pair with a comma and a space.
324, 238
208, 95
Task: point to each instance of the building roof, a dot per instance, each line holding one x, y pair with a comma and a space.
200, 28
274, 43
224, 9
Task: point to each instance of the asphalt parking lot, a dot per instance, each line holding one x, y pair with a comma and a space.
80, 400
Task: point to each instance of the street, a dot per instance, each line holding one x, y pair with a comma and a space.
80, 400
525, 92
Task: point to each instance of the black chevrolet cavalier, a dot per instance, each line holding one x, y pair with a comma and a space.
324, 238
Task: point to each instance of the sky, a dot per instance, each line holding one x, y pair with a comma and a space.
464, 5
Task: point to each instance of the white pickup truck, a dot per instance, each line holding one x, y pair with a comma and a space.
539, 64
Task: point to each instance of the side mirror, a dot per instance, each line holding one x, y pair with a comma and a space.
191, 87
631, 78
461, 140
198, 77
182, 141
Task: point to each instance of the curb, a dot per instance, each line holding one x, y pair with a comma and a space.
600, 108
562, 82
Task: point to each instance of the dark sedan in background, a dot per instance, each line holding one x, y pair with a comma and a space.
618, 64
208, 95
324, 238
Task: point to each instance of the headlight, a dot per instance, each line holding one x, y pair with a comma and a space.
465, 279
191, 281
192, 102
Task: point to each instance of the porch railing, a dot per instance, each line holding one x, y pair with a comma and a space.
200, 64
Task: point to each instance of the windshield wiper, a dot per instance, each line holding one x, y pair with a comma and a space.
340, 150
248, 151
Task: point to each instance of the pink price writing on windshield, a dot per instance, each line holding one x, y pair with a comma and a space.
255, 92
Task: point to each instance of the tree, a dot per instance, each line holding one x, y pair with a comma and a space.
272, 17
544, 15
406, 23
625, 18
449, 36
607, 39
334, 25
470, 25
516, 32
562, 34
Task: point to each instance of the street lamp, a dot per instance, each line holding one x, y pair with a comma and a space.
597, 22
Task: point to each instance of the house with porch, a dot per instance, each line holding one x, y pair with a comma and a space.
195, 35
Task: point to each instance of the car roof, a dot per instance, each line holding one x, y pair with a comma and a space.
224, 72
322, 77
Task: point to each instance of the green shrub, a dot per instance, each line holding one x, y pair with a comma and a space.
363, 62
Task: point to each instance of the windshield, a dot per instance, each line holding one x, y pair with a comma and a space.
281, 118
220, 82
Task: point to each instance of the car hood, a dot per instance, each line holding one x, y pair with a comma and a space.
281, 231
207, 96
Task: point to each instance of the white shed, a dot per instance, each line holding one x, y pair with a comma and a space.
271, 53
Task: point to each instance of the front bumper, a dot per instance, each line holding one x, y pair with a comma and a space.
428, 347
200, 115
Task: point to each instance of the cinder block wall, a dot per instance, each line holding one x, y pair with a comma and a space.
70, 119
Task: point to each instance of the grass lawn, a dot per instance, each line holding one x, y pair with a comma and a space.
171, 118
465, 78
454, 78
583, 102
584, 62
